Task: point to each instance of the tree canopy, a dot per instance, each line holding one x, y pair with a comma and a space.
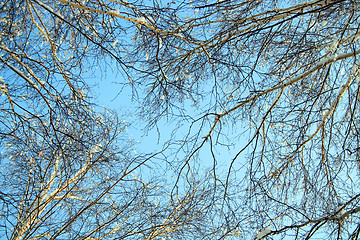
254, 106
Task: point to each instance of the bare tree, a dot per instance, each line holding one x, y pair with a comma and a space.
286, 75
264, 100
68, 168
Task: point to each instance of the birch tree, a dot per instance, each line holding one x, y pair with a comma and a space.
278, 83
263, 98
68, 168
